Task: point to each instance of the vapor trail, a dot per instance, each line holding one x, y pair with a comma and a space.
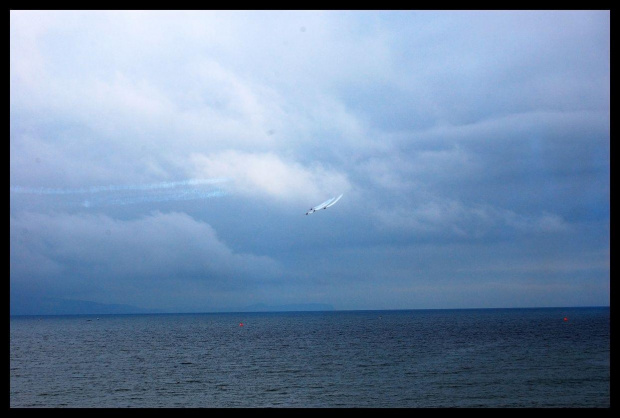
190, 189
99, 189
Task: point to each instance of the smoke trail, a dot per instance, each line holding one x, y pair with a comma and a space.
161, 197
99, 189
190, 189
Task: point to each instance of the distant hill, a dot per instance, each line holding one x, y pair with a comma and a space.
261, 307
56, 306
29, 305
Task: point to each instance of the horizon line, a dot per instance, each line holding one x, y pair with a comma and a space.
306, 311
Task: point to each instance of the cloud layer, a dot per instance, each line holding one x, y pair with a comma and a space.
449, 132
168, 256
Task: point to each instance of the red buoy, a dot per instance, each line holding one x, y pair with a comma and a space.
240, 324
565, 318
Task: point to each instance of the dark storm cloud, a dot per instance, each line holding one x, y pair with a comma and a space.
169, 255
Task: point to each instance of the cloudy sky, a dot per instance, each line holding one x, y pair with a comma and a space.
166, 160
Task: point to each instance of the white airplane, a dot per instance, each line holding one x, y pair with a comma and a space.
324, 205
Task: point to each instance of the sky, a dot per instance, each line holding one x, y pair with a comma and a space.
166, 159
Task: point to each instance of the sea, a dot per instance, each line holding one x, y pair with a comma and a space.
462, 358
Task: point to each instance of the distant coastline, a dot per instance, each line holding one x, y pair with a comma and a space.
45, 306
21, 306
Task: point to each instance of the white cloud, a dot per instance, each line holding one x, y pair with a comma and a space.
267, 174
109, 103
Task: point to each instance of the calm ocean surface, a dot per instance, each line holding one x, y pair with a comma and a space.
419, 358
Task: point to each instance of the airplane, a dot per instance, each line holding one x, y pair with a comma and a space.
324, 205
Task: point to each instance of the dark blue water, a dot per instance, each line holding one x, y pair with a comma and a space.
426, 358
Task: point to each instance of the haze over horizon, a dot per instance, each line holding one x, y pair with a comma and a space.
165, 160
